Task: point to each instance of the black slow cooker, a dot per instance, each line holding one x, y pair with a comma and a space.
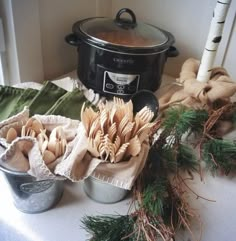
118, 57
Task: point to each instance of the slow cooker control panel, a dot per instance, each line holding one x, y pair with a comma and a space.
120, 84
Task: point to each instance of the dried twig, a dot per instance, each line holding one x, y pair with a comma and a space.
197, 195
214, 117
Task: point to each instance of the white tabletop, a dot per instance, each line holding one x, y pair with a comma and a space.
63, 222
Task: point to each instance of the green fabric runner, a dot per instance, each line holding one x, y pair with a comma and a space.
24, 100
69, 105
9, 97
51, 99
46, 98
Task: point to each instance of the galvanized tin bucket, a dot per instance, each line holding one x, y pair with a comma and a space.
103, 192
31, 196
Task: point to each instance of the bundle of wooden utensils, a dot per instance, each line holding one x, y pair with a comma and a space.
114, 132
51, 144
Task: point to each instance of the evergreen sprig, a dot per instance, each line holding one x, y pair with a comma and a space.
154, 195
178, 121
168, 158
220, 155
180, 156
186, 159
162, 206
110, 228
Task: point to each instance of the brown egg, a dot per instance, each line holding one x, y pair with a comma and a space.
11, 135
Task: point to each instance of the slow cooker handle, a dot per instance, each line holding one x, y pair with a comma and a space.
72, 39
172, 52
124, 22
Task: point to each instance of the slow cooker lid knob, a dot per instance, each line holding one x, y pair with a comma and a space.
124, 22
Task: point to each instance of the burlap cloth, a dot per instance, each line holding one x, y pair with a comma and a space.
23, 154
192, 93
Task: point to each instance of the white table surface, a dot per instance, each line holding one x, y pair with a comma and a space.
63, 222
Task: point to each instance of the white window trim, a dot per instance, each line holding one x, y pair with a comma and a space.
23, 41
9, 57
2, 78
2, 50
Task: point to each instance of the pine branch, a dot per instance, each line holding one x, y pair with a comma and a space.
178, 212
162, 206
162, 211
110, 228
186, 159
220, 155
176, 157
135, 227
166, 156
178, 121
154, 195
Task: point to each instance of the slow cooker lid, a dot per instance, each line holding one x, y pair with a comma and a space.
126, 32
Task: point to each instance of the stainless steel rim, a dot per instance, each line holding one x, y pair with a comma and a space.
16, 173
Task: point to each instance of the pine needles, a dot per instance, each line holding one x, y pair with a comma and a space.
186, 159
159, 194
109, 228
220, 155
154, 195
178, 121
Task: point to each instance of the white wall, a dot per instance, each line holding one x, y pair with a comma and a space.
56, 19
48, 21
179, 17
187, 20
28, 39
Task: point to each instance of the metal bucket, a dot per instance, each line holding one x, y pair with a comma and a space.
31, 196
103, 192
